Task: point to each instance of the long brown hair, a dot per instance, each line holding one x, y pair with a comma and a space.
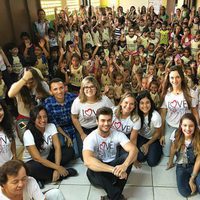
118, 112
180, 139
168, 86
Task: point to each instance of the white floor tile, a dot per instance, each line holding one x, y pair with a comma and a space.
195, 197
164, 161
163, 177
50, 186
77, 161
167, 194
138, 193
96, 193
75, 192
140, 177
81, 179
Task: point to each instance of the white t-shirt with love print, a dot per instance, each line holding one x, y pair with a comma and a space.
87, 111
125, 125
177, 106
105, 149
28, 139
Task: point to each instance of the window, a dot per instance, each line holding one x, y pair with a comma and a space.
95, 3
73, 4
49, 5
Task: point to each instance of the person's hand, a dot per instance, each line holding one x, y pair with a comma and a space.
119, 169
162, 141
62, 171
46, 37
137, 164
55, 176
27, 43
192, 185
9, 68
145, 148
170, 165
42, 43
27, 75
68, 140
123, 176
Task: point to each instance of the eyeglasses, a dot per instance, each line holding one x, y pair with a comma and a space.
92, 87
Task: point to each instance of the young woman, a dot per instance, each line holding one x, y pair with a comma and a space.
186, 146
7, 142
125, 117
85, 106
177, 99
148, 143
28, 91
16, 184
43, 155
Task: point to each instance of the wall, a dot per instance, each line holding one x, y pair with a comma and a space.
15, 17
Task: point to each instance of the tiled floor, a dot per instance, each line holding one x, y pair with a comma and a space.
145, 183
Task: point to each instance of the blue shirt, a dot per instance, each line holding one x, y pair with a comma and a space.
60, 114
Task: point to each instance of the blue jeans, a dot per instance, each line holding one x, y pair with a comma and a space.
154, 154
183, 174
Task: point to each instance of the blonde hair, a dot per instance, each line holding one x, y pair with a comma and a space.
118, 112
89, 79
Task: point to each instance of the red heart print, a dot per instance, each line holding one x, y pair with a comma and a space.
117, 125
88, 112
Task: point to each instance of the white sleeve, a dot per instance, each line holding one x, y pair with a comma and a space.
123, 139
75, 109
137, 124
52, 129
194, 96
33, 190
28, 138
107, 101
89, 143
172, 137
156, 120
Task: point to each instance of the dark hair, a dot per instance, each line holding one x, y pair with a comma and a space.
24, 34
104, 111
11, 168
40, 10
184, 87
37, 135
140, 96
55, 80
7, 123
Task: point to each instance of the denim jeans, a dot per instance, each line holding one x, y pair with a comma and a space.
154, 153
183, 174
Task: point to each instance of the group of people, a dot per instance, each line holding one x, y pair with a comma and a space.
115, 89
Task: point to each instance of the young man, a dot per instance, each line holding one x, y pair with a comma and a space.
59, 112
105, 168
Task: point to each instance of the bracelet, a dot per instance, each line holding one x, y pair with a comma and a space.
193, 175
24, 79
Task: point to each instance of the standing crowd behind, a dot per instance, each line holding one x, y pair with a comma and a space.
143, 65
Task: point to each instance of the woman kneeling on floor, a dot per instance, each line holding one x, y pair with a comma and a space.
43, 154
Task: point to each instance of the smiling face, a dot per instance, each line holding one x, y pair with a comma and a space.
57, 89
175, 79
127, 105
15, 184
145, 105
41, 120
188, 128
89, 89
104, 123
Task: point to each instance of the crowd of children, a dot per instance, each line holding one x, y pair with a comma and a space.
154, 58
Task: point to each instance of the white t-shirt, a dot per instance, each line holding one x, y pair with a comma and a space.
177, 106
156, 122
183, 155
87, 111
125, 125
105, 149
28, 139
30, 192
5, 148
